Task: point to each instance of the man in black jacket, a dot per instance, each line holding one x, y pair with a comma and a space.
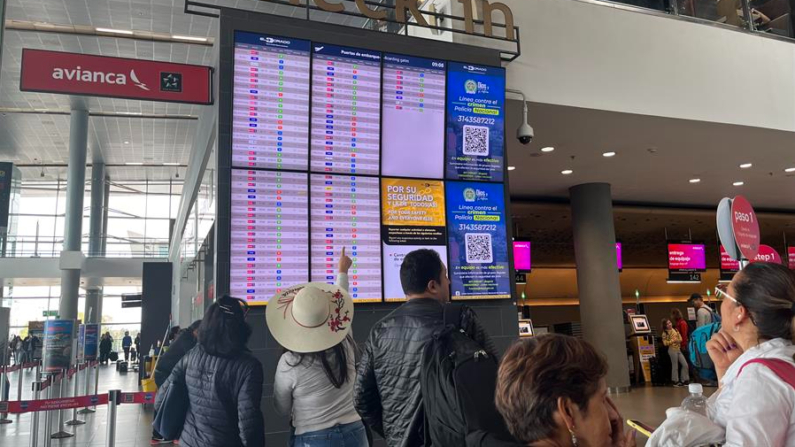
387, 392
182, 344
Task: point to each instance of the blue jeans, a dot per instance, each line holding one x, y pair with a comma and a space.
348, 435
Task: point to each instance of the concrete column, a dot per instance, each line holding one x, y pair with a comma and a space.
75, 188
96, 235
597, 278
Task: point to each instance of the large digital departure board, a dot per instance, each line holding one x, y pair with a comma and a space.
269, 247
381, 154
345, 212
413, 117
346, 110
271, 102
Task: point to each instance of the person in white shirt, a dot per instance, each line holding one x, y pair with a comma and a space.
703, 312
754, 358
315, 376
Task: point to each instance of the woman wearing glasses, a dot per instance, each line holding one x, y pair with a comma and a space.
753, 356
224, 382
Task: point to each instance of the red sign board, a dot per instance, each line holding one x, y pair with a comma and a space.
83, 74
767, 254
745, 227
791, 257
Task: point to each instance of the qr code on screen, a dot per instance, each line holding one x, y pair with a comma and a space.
476, 140
478, 248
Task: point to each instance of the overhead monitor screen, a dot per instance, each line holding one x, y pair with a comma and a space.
475, 122
346, 110
684, 258
727, 264
271, 102
620, 256
269, 246
345, 212
791, 257
412, 125
521, 256
479, 267
412, 218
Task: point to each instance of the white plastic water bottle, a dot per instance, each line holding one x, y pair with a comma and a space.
695, 402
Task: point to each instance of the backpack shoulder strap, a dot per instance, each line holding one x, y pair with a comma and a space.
452, 314
782, 368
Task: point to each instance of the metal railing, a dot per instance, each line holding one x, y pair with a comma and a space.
115, 247
774, 18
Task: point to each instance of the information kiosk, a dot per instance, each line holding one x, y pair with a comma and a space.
641, 342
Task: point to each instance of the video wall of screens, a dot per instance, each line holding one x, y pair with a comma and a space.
381, 154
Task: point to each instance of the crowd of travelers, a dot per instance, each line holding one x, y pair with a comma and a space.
429, 375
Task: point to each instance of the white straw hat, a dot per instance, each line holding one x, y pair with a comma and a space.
310, 317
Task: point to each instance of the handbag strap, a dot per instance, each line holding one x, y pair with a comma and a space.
782, 368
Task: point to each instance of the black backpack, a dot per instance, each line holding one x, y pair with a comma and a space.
458, 379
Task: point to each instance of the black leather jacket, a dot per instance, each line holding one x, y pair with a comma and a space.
387, 391
225, 396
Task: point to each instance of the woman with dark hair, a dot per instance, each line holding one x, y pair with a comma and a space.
680, 324
673, 341
224, 381
551, 390
753, 356
315, 376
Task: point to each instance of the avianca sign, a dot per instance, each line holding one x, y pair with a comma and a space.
82, 74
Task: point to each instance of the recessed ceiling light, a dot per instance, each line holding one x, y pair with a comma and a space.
609, 154
126, 32
131, 163
695, 180
567, 172
126, 142
190, 38
746, 165
511, 168
177, 164
789, 170
547, 149
738, 183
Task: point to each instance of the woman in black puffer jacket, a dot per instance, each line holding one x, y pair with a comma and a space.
224, 382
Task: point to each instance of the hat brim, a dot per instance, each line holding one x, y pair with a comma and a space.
300, 339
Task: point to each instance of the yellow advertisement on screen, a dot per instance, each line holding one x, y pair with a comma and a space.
407, 202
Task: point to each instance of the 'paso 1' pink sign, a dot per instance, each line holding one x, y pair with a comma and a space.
745, 227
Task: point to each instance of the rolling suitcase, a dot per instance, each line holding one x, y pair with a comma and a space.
114, 356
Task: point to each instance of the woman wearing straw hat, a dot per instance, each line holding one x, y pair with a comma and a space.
314, 379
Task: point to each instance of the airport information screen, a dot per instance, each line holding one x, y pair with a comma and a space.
379, 153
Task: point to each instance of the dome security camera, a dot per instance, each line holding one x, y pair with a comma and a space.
525, 133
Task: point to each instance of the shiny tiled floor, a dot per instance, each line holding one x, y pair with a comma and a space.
133, 426
647, 404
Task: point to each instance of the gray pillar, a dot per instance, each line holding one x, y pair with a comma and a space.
96, 234
597, 277
75, 188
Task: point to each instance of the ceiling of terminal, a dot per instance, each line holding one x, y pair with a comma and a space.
34, 138
656, 158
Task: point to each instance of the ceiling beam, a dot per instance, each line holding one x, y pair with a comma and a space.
84, 30
160, 116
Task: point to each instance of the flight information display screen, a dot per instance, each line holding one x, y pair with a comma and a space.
479, 266
475, 122
381, 154
271, 102
413, 117
346, 212
269, 247
413, 217
346, 110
